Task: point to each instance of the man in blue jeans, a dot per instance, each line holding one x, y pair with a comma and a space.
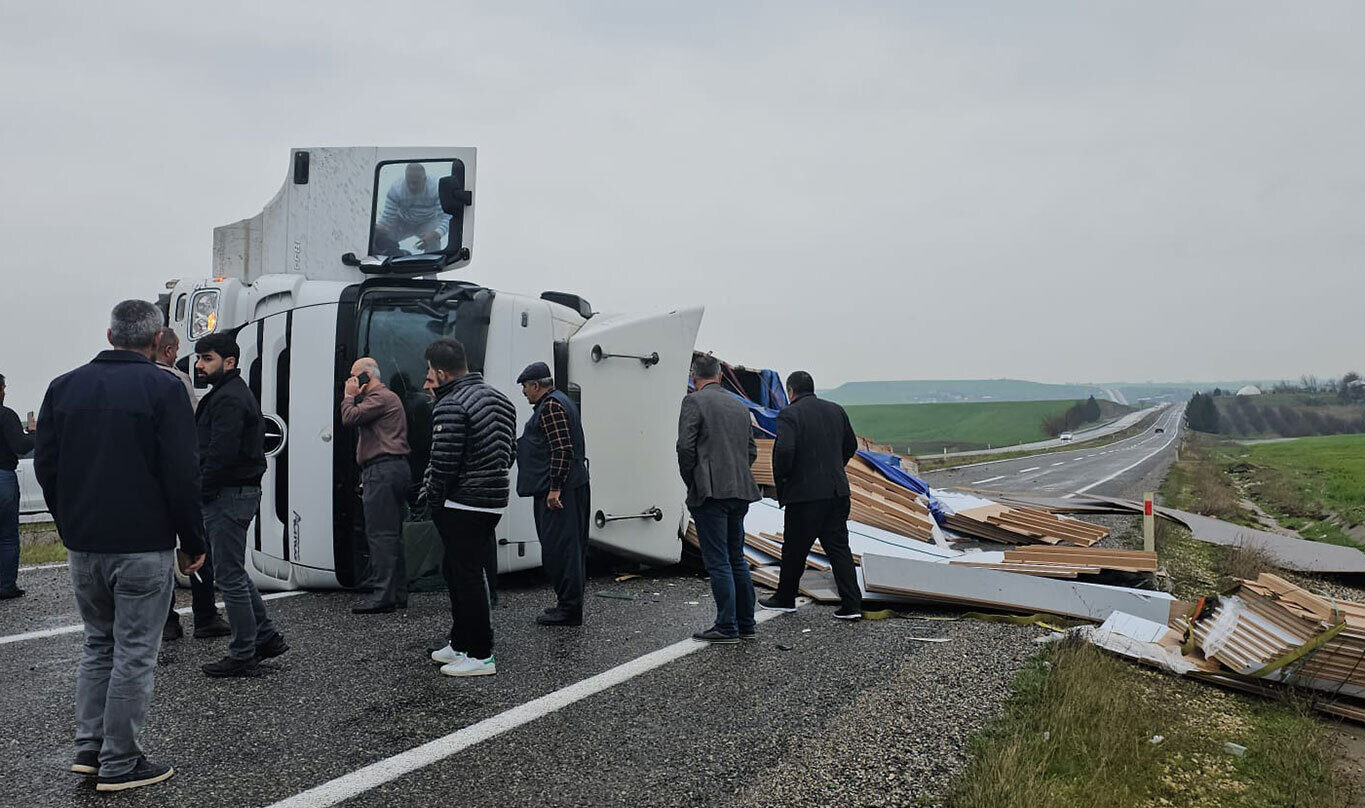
715, 452
116, 459
15, 442
232, 461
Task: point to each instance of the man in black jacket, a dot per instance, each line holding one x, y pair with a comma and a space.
466, 487
116, 459
15, 442
814, 443
232, 460
552, 469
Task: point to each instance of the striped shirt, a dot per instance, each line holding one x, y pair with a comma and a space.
402, 207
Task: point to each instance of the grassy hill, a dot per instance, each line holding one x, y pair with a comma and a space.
929, 428
927, 391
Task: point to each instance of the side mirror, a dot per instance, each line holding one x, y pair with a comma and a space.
454, 199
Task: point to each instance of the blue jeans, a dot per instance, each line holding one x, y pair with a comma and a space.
9, 530
122, 599
720, 527
226, 518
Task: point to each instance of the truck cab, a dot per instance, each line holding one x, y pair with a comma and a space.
334, 269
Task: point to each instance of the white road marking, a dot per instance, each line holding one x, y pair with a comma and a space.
57, 632
56, 565
1144, 459
1027, 470
1058, 464
989, 480
376, 774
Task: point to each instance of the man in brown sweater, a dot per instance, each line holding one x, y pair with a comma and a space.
382, 454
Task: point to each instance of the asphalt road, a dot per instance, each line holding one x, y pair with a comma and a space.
1080, 435
623, 711
1102, 470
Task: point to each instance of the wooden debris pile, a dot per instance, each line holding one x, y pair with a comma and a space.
1271, 629
1015, 525
1063, 562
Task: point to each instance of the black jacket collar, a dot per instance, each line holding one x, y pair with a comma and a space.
120, 355
469, 378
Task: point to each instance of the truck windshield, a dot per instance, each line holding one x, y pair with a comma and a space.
408, 219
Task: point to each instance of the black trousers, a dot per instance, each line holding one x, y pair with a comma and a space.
466, 536
826, 520
564, 545
202, 595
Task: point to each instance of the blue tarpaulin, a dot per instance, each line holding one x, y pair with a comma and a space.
890, 467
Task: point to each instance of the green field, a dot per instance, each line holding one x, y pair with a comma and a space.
929, 428
1313, 485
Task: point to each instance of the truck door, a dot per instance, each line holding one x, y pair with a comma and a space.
631, 371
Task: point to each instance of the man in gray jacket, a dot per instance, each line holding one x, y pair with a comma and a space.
715, 452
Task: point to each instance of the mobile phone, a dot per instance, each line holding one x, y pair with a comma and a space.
362, 378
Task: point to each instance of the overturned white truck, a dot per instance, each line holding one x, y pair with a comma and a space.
352, 258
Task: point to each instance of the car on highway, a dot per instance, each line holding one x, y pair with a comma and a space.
1159, 430
1065, 436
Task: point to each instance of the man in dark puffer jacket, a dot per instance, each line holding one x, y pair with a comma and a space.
466, 488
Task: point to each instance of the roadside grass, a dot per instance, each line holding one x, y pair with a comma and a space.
39, 544
1315, 486
924, 429
1079, 728
932, 462
45, 553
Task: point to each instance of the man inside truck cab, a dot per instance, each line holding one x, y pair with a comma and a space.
412, 207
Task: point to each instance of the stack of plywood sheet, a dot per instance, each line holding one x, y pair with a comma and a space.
763, 464
1013, 525
1273, 629
1063, 562
876, 501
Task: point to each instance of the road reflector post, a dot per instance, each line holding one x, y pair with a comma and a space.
1148, 522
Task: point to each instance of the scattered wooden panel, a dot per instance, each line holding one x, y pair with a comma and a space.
953, 583
1118, 560
763, 464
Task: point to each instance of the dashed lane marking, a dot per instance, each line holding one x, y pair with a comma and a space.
57, 632
377, 774
989, 480
1031, 468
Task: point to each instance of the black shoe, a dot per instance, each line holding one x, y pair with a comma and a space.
87, 762
215, 626
374, 609
172, 630
712, 635
559, 617
775, 605
272, 647
748, 635
144, 773
230, 667
848, 614
11, 594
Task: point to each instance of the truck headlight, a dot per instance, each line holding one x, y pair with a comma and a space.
204, 314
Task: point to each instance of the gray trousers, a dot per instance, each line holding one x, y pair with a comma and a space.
384, 492
226, 518
122, 598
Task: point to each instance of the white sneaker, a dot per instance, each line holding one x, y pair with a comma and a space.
447, 655
469, 666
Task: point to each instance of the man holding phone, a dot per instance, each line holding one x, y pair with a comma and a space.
381, 451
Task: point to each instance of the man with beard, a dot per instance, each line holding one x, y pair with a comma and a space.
232, 461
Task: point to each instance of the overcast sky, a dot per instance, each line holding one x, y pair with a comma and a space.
1052, 191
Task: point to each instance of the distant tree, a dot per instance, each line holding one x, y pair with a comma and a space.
1309, 383
1202, 413
1218, 391
1350, 388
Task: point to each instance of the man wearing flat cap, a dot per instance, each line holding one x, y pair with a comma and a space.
552, 469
